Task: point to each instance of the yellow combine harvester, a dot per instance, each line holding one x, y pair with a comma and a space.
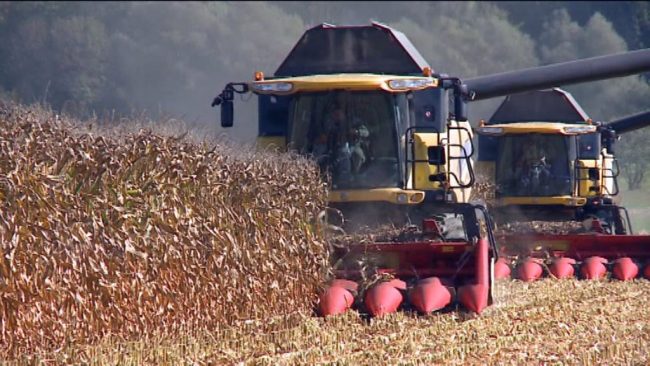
393, 139
551, 162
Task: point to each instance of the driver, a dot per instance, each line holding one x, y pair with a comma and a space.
347, 145
330, 145
326, 139
532, 168
359, 142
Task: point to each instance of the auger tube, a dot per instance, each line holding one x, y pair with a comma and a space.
630, 123
564, 73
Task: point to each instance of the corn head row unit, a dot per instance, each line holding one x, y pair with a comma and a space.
393, 139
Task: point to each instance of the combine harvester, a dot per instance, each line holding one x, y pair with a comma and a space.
550, 162
394, 140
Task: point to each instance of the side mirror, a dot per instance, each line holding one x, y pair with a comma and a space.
225, 100
460, 103
608, 138
227, 113
460, 109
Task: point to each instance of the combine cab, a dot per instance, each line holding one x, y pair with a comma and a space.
392, 139
552, 163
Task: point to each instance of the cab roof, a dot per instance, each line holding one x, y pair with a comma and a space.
551, 105
374, 48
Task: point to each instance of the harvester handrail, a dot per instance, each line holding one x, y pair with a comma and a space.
410, 145
466, 157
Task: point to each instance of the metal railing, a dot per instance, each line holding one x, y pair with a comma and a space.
409, 151
441, 167
614, 172
466, 157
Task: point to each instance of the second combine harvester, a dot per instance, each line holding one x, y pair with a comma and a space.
393, 138
550, 162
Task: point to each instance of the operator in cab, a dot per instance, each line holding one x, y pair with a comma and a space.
342, 144
532, 169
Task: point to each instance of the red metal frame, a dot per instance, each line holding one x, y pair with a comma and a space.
580, 246
460, 261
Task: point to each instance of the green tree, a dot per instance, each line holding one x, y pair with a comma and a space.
633, 154
51, 55
490, 45
174, 57
564, 39
80, 46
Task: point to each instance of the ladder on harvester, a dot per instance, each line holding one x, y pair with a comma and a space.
442, 156
612, 172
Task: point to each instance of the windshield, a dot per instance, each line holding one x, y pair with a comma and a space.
533, 165
352, 135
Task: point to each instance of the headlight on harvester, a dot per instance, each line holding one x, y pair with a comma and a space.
273, 87
579, 129
490, 130
408, 84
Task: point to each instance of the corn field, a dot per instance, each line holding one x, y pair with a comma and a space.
144, 248
141, 234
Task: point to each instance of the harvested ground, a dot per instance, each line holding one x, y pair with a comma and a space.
555, 322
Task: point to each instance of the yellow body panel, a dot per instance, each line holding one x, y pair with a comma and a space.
607, 183
422, 142
453, 167
391, 195
545, 245
584, 183
275, 143
315, 83
538, 127
554, 200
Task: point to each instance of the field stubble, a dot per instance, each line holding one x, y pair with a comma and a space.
555, 322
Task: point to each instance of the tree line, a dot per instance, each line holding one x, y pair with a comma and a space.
112, 58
